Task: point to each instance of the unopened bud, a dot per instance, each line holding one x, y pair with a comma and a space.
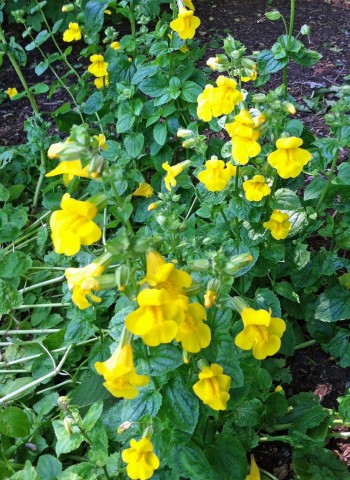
259, 98
209, 298
200, 265
100, 201
67, 8
273, 15
96, 166
184, 133
124, 427
122, 276
305, 30
154, 206
55, 150
289, 108
63, 403
189, 143
67, 422
279, 388
237, 262
186, 357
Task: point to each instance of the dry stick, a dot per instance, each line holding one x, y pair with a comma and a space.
38, 380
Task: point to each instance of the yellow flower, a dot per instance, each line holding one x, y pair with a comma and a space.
220, 100
192, 332
217, 175
115, 45
256, 189
209, 298
279, 225
69, 170
157, 319
254, 473
164, 275
107, 12
72, 33
213, 387
120, 375
144, 190
289, 159
73, 226
279, 389
154, 206
11, 92
140, 459
101, 82
98, 66
189, 4
253, 75
261, 333
173, 171
244, 135
101, 141
186, 23
82, 282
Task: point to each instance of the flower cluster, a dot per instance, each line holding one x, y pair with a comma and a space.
164, 312
219, 100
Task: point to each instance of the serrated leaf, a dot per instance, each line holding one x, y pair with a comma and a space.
333, 305
14, 422
285, 199
266, 299
189, 461
48, 467
93, 415
66, 443
181, 405
160, 133
147, 402
89, 391
9, 297
134, 144
162, 359
227, 458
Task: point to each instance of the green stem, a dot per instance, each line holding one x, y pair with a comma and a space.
41, 178
119, 200
328, 184
42, 284
305, 344
280, 438
133, 25
39, 331
43, 305
290, 34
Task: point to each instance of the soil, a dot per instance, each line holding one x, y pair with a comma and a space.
329, 20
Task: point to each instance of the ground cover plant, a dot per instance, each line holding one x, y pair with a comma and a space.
158, 277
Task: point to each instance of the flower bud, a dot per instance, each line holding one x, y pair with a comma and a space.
200, 265
305, 30
259, 98
96, 166
273, 15
100, 201
124, 427
68, 8
189, 143
154, 206
289, 108
63, 403
237, 262
122, 277
184, 133
209, 298
67, 422
238, 304
279, 388
186, 357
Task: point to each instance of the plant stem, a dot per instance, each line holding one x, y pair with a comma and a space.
328, 184
49, 375
43, 305
290, 34
29, 332
305, 344
42, 284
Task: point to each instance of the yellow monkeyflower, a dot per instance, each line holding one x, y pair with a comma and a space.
154, 206
72, 33
141, 460
253, 75
216, 175
12, 92
279, 225
115, 45
101, 82
209, 298
289, 159
72, 226
261, 333
144, 190
101, 141
185, 24
69, 170
220, 100
98, 66
189, 4
254, 473
244, 135
172, 172
82, 281
193, 333
121, 379
107, 12
256, 189
157, 318
213, 387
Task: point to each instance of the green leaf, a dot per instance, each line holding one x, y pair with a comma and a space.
14, 265
318, 464
4, 193
160, 133
266, 299
134, 144
28, 473
94, 14
90, 390
285, 199
227, 458
94, 103
344, 408
294, 128
147, 402
180, 405
66, 443
93, 415
190, 91
48, 467
153, 86
339, 347
162, 359
249, 413
126, 118
189, 461
14, 422
268, 64
42, 67
39, 88
333, 305
286, 290
306, 57
228, 360
9, 297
